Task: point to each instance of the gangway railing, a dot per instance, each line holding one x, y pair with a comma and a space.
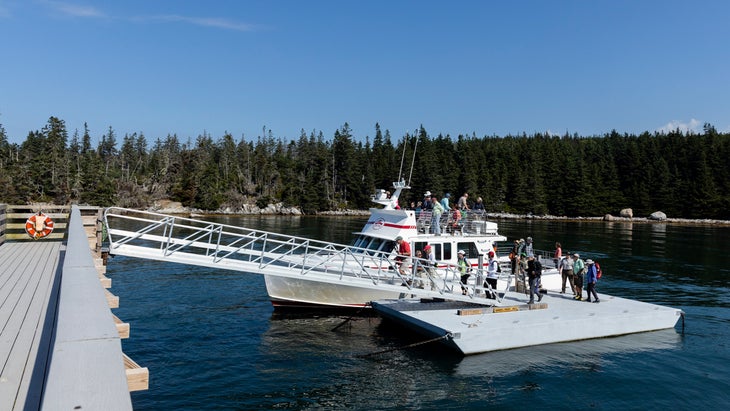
184, 240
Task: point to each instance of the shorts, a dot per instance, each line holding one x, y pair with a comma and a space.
578, 280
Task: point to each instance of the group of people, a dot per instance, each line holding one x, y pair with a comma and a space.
422, 268
438, 212
574, 271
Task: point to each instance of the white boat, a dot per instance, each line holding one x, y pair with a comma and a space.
473, 234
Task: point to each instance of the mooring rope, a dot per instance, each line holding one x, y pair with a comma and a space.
443, 337
348, 319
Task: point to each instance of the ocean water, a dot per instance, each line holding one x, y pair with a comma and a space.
212, 341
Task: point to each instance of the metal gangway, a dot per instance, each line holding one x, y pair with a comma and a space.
163, 237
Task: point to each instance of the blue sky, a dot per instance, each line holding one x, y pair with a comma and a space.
484, 67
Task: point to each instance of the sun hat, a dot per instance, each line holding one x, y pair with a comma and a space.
576, 255
398, 238
461, 252
589, 261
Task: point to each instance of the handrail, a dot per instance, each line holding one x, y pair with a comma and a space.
180, 239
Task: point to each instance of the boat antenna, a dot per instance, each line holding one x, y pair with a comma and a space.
403, 155
413, 161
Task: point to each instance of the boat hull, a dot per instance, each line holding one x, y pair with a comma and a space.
291, 292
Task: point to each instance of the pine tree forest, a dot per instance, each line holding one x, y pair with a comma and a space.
683, 174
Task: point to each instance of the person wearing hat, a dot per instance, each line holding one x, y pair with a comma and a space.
427, 201
566, 272
464, 268
403, 260
591, 279
436, 216
492, 274
430, 265
579, 269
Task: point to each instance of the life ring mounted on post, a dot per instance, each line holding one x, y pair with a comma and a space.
38, 226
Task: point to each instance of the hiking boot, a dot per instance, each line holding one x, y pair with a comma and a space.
539, 298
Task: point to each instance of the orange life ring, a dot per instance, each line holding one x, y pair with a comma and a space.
38, 226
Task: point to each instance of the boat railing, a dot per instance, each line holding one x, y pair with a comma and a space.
184, 240
467, 222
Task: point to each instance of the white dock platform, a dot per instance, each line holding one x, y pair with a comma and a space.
472, 329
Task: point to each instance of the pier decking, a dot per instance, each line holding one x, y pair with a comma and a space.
60, 345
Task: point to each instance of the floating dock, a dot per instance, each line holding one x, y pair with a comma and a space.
471, 328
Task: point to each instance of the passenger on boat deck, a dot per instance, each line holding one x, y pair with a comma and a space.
534, 272
427, 201
456, 221
479, 205
464, 268
436, 216
462, 204
403, 260
578, 271
566, 271
445, 202
431, 265
492, 274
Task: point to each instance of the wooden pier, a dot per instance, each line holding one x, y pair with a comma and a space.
60, 344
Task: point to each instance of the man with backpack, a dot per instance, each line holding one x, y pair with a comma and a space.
534, 272
591, 279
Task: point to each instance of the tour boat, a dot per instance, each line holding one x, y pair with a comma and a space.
472, 233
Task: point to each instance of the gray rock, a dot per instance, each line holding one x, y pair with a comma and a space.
658, 216
608, 217
627, 213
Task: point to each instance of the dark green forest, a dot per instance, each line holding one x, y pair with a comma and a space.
683, 174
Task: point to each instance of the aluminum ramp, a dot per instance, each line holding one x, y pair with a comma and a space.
177, 239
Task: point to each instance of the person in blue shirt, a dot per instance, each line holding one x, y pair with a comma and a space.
591, 279
445, 202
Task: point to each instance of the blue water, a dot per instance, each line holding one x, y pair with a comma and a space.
211, 340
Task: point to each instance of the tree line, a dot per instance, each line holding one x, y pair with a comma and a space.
684, 174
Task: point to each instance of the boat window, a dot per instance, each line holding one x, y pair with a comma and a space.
471, 249
360, 242
447, 252
375, 244
418, 246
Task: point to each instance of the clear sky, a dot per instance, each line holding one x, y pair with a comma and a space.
456, 67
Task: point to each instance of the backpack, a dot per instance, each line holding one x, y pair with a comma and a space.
598, 270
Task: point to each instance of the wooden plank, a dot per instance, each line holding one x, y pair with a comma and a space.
24, 236
105, 281
138, 378
21, 226
25, 216
111, 299
122, 327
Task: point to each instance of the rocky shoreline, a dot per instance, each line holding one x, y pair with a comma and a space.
171, 207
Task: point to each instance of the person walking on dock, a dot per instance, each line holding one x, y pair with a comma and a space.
464, 268
430, 265
566, 271
534, 272
591, 279
578, 271
492, 275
